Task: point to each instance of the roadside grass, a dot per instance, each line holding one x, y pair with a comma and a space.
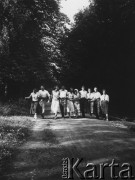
14, 131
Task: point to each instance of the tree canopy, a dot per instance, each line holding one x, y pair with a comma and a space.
100, 47
31, 33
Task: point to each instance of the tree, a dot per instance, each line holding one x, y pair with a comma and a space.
100, 47
31, 33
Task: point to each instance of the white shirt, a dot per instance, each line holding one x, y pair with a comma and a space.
90, 96
96, 95
63, 93
43, 94
34, 96
104, 98
83, 94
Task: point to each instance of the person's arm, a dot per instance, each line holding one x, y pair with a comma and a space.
49, 96
67, 95
100, 100
28, 97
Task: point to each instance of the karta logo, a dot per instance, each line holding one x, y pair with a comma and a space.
72, 168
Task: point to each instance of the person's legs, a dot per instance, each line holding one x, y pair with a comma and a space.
78, 109
43, 108
82, 104
62, 109
31, 108
65, 107
68, 110
106, 110
107, 117
55, 113
98, 107
75, 107
103, 114
35, 109
89, 107
92, 107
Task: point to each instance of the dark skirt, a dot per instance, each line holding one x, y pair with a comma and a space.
104, 107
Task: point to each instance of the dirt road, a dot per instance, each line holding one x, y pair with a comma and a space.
96, 141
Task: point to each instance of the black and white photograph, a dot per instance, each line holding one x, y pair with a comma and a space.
67, 86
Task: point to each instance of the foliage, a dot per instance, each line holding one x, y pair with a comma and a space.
100, 47
12, 107
31, 32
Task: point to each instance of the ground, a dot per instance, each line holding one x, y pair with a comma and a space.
49, 141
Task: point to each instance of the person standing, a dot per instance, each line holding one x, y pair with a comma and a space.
44, 98
77, 103
96, 99
104, 101
83, 100
63, 101
90, 102
34, 103
55, 106
70, 103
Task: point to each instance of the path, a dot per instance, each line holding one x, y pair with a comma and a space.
97, 141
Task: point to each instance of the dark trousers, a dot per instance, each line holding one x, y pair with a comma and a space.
90, 106
63, 106
97, 107
83, 106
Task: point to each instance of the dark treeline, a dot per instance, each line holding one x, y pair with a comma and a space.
101, 49
31, 33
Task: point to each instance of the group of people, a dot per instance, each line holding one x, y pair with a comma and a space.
72, 103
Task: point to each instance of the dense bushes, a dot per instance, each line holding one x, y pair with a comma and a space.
12, 107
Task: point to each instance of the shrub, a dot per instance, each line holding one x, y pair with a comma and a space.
12, 107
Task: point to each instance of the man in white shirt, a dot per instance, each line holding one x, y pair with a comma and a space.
97, 96
83, 100
63, 101
44, 97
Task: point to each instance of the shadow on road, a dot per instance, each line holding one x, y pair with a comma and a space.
51, 140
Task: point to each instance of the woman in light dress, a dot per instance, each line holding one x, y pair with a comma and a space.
77, 103
104, 102
55, 106
70, 102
